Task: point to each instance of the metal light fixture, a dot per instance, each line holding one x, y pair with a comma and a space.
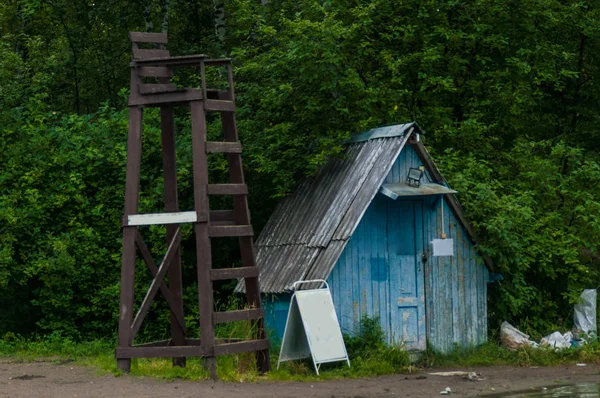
414, 177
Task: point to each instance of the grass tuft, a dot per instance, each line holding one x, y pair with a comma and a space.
369, 356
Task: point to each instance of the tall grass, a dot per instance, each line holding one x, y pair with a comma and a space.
369, 356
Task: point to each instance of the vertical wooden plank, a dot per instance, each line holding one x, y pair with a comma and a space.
471, 285
203, 247
459, 295
430, 318
132, 181
450, 280
420, 242
366, 269
484, 312
482, 307
171, 205
347, 286
387, 307
355, 284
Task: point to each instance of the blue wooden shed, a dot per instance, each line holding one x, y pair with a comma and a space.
361, 227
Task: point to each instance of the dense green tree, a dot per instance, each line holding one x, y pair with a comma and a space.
507, 92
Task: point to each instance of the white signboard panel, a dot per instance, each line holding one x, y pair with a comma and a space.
443, 247
312, 329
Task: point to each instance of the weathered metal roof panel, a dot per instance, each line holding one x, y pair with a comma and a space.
402, 189
383, 132
309, 229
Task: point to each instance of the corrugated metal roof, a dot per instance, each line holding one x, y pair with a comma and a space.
309, 229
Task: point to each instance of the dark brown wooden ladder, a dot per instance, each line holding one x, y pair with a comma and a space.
208, 225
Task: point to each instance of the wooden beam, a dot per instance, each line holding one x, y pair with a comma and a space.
244, 346
156, 282
219, 106
201, 229
147, 37
178, 61
161, 218
153, 53
160, 343
167, 127
234, 273
136, 99
154, 71
171, 299
132, 180
239, 315
161, 352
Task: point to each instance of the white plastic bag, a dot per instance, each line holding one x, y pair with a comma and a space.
558, 340
584, 315
513, 338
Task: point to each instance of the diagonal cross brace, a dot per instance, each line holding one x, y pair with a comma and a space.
139, 241
156, 283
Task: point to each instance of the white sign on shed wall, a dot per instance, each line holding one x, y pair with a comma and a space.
443, 247
312, 328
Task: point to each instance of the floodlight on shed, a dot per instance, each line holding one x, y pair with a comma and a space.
414, 177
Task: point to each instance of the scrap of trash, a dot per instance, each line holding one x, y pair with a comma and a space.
584, 327
470, 376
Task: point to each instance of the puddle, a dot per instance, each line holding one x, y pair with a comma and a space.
582, 390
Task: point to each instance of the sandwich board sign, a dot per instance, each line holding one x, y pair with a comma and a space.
312, 328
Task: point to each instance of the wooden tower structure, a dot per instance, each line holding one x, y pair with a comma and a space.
156, 63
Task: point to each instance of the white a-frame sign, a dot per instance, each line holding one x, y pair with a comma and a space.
312, 328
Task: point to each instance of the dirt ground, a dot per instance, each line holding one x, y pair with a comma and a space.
47, 379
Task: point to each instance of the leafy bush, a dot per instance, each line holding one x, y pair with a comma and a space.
369, 344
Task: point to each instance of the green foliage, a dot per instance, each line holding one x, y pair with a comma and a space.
369, 345
506, 91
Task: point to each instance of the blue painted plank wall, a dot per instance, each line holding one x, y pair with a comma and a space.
455, 288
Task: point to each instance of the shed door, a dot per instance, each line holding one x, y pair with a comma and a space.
407, 294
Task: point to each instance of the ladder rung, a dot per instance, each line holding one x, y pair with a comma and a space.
233, 273
219, 105
223, 147
243, 346
239, 315
230, 230
227, 189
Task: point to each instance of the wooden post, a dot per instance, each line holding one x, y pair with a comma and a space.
134, 153
201, 228
172, 204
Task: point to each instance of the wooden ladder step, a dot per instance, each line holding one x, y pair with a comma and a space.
233, 273
221, 231
223, 147
243, 346
219, 106
239, 315
227, 189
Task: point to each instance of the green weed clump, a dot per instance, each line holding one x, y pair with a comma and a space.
492, 353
